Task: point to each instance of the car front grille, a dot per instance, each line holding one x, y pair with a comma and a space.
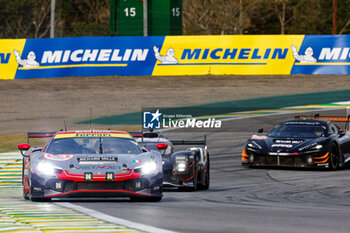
294, 161
99, 185
67, 186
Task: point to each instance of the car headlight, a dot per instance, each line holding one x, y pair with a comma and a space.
181, 167
47, 169
253, 146
315, 148
148, 168
312, 147
181, 163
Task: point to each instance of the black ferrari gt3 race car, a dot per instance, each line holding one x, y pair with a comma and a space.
306, 141
185, 169
91, 163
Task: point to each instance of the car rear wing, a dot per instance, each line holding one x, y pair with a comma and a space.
345, 119
136, 134
190, 142
174, 142
40, 135
145, 134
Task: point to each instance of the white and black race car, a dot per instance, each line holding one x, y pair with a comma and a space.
187, 169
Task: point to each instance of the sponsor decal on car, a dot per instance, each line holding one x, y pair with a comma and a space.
96, 167
282, 145
257, 137
75, 135
288, 141
323, 165
97, 159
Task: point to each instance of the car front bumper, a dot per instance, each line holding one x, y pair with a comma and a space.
252, 159
173, 178
63, 187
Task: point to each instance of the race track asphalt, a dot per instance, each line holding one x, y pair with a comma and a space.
242, 199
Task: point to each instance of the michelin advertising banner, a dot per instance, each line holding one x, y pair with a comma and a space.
174, 55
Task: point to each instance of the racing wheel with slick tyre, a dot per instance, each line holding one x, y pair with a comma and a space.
36, 199
25, 195
146, 199
205, 185
194, 178
334, 158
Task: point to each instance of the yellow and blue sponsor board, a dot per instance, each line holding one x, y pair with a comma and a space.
174, 55
323, 55
87, 56
8, 63
220, 55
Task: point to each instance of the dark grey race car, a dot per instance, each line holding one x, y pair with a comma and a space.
92, 163
306, 141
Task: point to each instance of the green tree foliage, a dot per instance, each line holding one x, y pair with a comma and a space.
21, 19
263, 19
31, 18
343, 17
210, 17
266, 16
84, 18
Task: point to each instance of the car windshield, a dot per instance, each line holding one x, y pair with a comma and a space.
298, 131
93, 145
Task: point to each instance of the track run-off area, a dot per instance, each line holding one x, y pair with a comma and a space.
239, 199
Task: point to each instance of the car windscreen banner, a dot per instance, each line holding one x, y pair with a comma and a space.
174, 55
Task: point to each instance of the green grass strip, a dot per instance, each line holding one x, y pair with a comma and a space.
274, 102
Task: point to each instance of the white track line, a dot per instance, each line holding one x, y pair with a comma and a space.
112, 219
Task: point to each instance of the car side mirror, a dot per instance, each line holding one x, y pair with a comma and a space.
23, 148
144, 149
261, 130
341, 133
162, 146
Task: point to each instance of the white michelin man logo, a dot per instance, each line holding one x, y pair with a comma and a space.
168, 59
29, 62
307, 58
